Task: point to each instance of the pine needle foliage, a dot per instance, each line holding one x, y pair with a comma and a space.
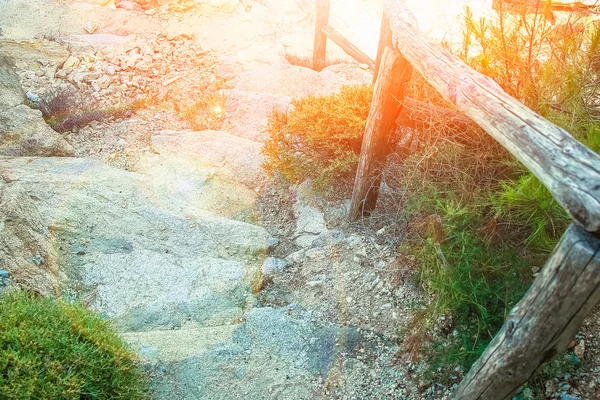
496, 222
320, 137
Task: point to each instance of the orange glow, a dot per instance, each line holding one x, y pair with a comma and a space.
359, 20
440, 19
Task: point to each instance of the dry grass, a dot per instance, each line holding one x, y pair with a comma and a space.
205, 111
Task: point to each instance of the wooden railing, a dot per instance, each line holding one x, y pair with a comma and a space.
544, 322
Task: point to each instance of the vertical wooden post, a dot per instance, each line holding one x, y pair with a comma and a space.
543, 323
385, 106
321, 20
385, 39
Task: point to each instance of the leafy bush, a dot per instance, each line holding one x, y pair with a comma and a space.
320, 138
476, 275
53, 350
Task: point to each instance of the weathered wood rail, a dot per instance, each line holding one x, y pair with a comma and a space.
544, 322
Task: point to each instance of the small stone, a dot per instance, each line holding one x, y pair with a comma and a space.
591, 385
90, 27
550, 388
566, 396
314, 283
51, 72
89, 77
297, 256
579, 350
273, 266
38, 260
572, 344
128, 5
103, 81
33, 97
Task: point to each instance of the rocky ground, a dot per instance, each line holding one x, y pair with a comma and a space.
150, 204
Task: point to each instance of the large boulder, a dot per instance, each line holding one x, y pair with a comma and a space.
79, 225
23, 132
84, 44
34, 53
260, 91
11, 93
248, 113
179, 183
231, 156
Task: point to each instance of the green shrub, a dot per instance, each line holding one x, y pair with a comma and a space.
496, 223
65, 108
526, 205
53, 350
320, 138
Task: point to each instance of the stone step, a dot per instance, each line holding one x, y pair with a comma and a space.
78, 224
273, 354
175, 345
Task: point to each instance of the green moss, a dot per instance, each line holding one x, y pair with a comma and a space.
53, 350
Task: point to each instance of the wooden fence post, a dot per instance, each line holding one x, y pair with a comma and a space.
570, 170
321, 21
387, 97
385, 40
543, 323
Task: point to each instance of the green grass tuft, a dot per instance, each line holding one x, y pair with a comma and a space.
53, 350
